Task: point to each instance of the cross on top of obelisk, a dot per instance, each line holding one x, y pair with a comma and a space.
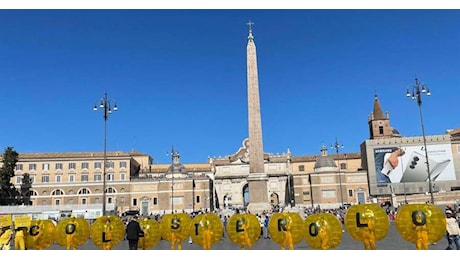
249, 23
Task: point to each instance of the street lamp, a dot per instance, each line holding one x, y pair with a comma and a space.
337, 146
174, 157
107, 105
416, 94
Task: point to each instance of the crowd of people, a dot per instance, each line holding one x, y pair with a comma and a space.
133, 231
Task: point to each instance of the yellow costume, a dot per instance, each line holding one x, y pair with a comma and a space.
107, 235
5, 239
71, 231
369, 234
19, 242
244, 236
287, 236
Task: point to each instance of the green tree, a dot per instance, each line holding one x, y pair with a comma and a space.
25, 189
8, 193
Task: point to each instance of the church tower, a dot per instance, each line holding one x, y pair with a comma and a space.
379, 124
257, 179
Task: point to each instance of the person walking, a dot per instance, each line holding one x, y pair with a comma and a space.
453, 231
133, 232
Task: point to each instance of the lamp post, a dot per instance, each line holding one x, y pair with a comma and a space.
174, 156
107, 105
337, 146
416, 94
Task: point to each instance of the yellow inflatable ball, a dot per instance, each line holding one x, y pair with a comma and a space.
367, 223
151, 235
323, 231
175, 227
206, 230
41, 234
243, 229
286, 229
107, 231
421, 223
72, 232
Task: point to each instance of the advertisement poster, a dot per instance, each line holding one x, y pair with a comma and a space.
408, 164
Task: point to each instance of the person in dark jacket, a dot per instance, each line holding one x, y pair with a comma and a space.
133, 232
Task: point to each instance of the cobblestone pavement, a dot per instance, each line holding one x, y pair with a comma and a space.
393, 241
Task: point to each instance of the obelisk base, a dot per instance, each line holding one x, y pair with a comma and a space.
258, 193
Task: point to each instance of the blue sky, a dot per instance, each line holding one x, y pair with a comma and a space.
179, 78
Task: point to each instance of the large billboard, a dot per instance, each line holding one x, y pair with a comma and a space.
405, 164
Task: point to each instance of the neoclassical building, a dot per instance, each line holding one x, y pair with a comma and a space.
73, 181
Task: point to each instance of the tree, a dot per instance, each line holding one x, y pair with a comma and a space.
25, 189
8, 193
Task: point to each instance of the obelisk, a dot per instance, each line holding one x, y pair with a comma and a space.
257, 178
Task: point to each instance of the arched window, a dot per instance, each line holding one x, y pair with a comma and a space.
57, 193
111, 190
84, 191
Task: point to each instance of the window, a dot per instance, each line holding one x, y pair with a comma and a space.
32, 167
84, 177
97, 177
122, 176
19, 167
381, 130
84, 165
155, 201
343, 166
301, 168
110, 177
83, 201
58, 178
111, 190
32, 178
72, 165
134, 202
110, 200
58, 166
46, 167
57, 193
84, 191
97, 165
71, 177
45, 178
350, 193
198, 199
122, 199
18, 179
122, 164
110, 164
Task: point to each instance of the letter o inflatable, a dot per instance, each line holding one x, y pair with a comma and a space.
414, 219
322, 231
77, 228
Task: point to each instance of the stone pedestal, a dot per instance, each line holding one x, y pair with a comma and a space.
258, 193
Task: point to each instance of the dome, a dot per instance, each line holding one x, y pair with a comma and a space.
176, 170
324, 162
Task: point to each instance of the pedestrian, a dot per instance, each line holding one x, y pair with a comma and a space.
133, 232
452, 230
